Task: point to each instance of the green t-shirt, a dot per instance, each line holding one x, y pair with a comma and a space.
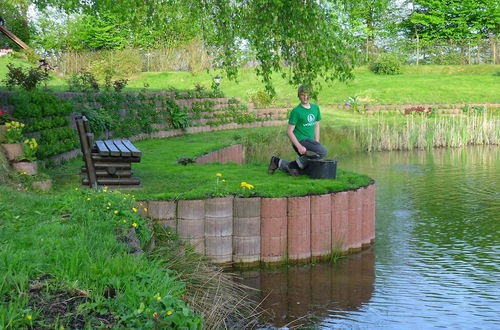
305, 121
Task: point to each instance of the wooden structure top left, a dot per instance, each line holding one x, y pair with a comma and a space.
13, 37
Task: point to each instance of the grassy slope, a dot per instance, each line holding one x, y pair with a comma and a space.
69, 239
417, 85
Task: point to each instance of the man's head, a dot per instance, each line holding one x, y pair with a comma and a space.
304, 89
303, 93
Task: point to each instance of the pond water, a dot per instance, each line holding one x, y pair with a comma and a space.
436, 260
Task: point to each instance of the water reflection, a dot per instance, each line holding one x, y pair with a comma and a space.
298, 294
436, 260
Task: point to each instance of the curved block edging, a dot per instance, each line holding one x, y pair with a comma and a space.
234, 154
249, 231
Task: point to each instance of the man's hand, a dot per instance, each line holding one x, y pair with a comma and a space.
302, 150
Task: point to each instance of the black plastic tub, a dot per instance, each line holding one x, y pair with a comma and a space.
321, 168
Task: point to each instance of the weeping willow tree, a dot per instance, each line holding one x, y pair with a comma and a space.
303, 40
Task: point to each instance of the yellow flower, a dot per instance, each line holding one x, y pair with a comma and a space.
243, 184
29, 317
218, 175
145, 209
116, 212
155, 315
134, 225
61, 328
76, 188
223, 180
124, 221
109, 203
88, 198
158, 298
169, 313
134, 209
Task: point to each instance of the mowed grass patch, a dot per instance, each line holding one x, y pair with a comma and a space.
425, 84
163, 178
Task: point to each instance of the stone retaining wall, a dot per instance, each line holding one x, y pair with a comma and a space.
252, 231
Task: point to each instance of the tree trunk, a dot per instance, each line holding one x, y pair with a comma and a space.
417, 55
493, 42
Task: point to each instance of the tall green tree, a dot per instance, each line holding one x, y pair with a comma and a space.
455, 20
301, 39
369, 18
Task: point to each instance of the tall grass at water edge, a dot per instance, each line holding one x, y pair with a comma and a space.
427, 133
383, 133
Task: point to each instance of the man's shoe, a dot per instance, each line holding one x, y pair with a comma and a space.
273, 165
311, 154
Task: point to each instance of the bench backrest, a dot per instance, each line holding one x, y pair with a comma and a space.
86, 142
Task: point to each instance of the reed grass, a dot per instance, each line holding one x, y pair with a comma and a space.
417, 132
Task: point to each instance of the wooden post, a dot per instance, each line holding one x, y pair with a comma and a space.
13, 37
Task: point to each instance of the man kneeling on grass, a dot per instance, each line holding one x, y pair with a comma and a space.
303, 132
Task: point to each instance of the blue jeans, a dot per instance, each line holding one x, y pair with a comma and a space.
310, 145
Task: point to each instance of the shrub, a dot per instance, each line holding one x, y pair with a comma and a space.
119, 84
83, 81
25, 78
261, 98
387, 63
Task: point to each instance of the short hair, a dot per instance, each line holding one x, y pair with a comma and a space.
304, 89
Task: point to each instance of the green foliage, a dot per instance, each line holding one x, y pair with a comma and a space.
100, 32
115, 63
453, 20
83, 81
100, 120
25, 78
176, 116
38, 104
56, 141
14, 133
46, 114
387, 63
261, 98
307, 36
277, 32
30, 147
46, 123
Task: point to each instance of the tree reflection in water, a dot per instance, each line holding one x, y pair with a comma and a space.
296, 294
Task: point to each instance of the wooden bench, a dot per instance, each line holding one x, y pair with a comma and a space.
107, 162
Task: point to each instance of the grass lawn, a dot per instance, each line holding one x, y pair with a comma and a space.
417, 85
163, 178
425, 84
